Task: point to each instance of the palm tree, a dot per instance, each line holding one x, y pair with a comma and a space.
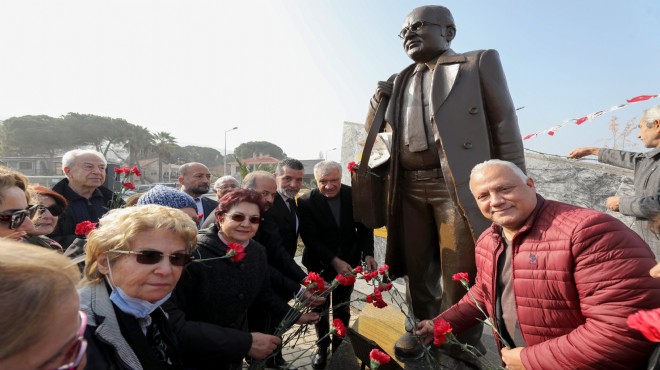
164, 147
139, 143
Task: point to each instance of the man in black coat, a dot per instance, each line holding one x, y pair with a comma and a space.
88, 199
288, 176
334, 244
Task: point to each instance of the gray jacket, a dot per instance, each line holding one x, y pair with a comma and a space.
95, 302
645, 204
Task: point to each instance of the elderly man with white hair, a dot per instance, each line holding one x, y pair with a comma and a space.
644, 205
88, 199
557, 280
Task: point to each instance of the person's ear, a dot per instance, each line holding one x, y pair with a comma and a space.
67, 171
180, 179
450, 33
657, 125
530, 183
102, 262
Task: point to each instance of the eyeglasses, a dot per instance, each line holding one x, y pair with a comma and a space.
54, 209
239, 217
415, 27
154, 257
16, 218
75, 354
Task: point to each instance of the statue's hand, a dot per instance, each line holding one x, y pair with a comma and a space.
384, 89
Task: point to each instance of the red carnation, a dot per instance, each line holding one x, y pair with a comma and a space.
369, 275
136, 171
385, 287
345, 280
383, 269
314, 282
648, 322
378, 358
235, 251
369, 298
119, 170
357, 269
339, 328
352, 166
84, 228
441, 329
378, 299
128, 185
461, 276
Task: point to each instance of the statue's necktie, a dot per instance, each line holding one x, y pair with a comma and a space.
415, 113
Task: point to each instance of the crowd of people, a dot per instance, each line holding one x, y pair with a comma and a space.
157, 291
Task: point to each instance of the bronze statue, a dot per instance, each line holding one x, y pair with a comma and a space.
447, 113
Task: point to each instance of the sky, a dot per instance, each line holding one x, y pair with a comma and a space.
291, 72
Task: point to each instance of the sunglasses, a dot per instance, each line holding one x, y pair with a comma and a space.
75, 354
54, 209
154, 257
16, 218
239, 217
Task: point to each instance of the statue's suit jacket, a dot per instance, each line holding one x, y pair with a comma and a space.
473, 120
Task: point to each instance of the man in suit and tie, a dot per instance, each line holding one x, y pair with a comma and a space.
447, 112
195, 180
334, 244
288, 176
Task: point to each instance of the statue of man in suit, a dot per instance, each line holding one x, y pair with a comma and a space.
447, 112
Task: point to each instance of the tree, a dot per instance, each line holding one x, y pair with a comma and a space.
101, 132
164, 146
34, 135
138, 144
621, 137
247, 150
208, 156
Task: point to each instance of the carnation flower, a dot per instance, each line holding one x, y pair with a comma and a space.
369, 275
136, 171
441, 329
648, 322
383, 269
84, 228
378, 358
345, 280
357, 269
352, 166
314, 282
338, 328
128, 185
460, 276
235, 252
385, 287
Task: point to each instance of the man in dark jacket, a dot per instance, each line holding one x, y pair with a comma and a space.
88, 199
558, 280
195, 180
334, 244
288, 176
644, 205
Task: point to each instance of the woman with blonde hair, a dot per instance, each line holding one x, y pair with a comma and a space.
134, 260
40, 325
15, 211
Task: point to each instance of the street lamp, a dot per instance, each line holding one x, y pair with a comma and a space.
224, 169
326, 152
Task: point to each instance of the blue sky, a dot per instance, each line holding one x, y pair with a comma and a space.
292, 71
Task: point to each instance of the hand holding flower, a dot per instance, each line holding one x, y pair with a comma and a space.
308, 318
511, 357
425, 331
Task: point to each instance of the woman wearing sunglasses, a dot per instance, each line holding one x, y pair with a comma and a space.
40, 325
215, 292
15, 213
134, 260
50, 205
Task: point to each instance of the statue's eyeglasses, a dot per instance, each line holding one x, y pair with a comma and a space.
415, 27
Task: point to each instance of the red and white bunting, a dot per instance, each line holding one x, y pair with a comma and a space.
590, 117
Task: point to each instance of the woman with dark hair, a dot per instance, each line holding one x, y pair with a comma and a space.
215, 292
50, 205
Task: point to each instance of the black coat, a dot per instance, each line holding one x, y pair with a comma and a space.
324, 240
209, 305
286, 223
79, 209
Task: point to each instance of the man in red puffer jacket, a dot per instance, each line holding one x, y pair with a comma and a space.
558, 280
